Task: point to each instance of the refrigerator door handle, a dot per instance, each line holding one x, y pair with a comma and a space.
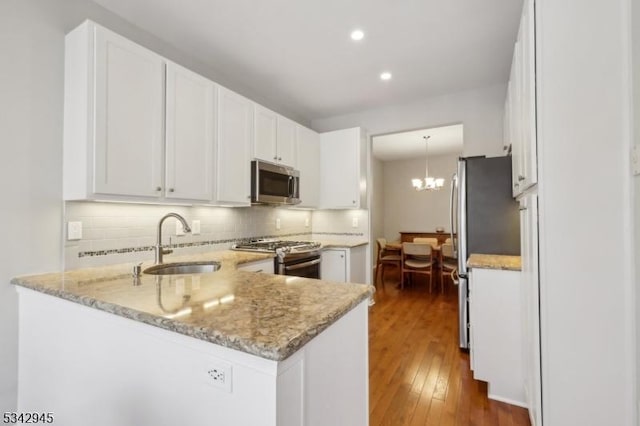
452, 213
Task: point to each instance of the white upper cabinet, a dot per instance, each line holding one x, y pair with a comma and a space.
113, 118
265, 136
274, 137
309, 166
136, 126
233, 154
287, 142
189, 135
520, 105
343, 169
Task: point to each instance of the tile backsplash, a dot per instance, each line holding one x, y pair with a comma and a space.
115, 233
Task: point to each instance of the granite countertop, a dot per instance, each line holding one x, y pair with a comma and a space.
270, 316
495, 261
346, 243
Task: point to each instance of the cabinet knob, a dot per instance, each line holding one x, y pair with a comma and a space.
279, 158
171, 190
353, 201
520, 178
158, 188
248, 197
342, 256
275, 158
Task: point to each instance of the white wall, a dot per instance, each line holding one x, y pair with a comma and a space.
408, 210
586, 251
376, 188
481, 112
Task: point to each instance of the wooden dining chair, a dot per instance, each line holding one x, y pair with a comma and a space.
448, 263
385, 257
417, 259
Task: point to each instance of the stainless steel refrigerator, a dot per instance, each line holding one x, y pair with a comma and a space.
485, 218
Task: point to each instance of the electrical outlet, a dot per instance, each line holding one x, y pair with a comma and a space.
179, 229
218, 374
306, 222
354, 222
277, 223
635, 160
74, 231
195, 227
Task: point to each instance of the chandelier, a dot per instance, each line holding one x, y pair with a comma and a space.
428, 183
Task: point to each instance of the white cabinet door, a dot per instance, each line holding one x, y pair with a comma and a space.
521, 104
342, 169
233, 154
495, 315
265, 134
531, 305
309, 167
286, 142
334, 265
189, 135
129, 117
529, 161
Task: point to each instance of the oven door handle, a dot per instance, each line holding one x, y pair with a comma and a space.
302, 265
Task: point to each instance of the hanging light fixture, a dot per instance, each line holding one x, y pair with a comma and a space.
428, 183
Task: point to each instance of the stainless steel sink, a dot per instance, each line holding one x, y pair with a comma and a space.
183, 268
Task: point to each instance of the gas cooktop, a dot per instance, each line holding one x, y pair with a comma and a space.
271, 246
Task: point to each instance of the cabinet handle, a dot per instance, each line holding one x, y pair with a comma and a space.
522, 209
342, 256
353, 201
248, 197
279, 158
520, 178
275, 158
158, 188
171, 190
515, 185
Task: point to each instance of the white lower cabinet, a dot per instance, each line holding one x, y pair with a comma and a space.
344, 265
496, 333
531, 306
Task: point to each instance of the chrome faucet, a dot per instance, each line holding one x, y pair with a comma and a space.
158, 247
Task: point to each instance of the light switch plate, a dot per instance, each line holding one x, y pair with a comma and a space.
635, 160
74, 231
195, 227
278, 223
354, 222
306, 222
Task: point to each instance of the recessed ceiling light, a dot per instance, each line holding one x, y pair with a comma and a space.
385, 76
357, 35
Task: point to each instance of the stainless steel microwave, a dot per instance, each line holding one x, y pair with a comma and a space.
274, 183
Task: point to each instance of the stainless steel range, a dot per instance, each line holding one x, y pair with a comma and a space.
298, 258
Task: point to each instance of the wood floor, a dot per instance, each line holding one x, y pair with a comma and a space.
417, 373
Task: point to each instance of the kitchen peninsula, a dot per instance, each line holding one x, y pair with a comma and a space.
104, 347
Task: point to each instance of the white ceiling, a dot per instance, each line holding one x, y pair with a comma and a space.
407, 145
298, 54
